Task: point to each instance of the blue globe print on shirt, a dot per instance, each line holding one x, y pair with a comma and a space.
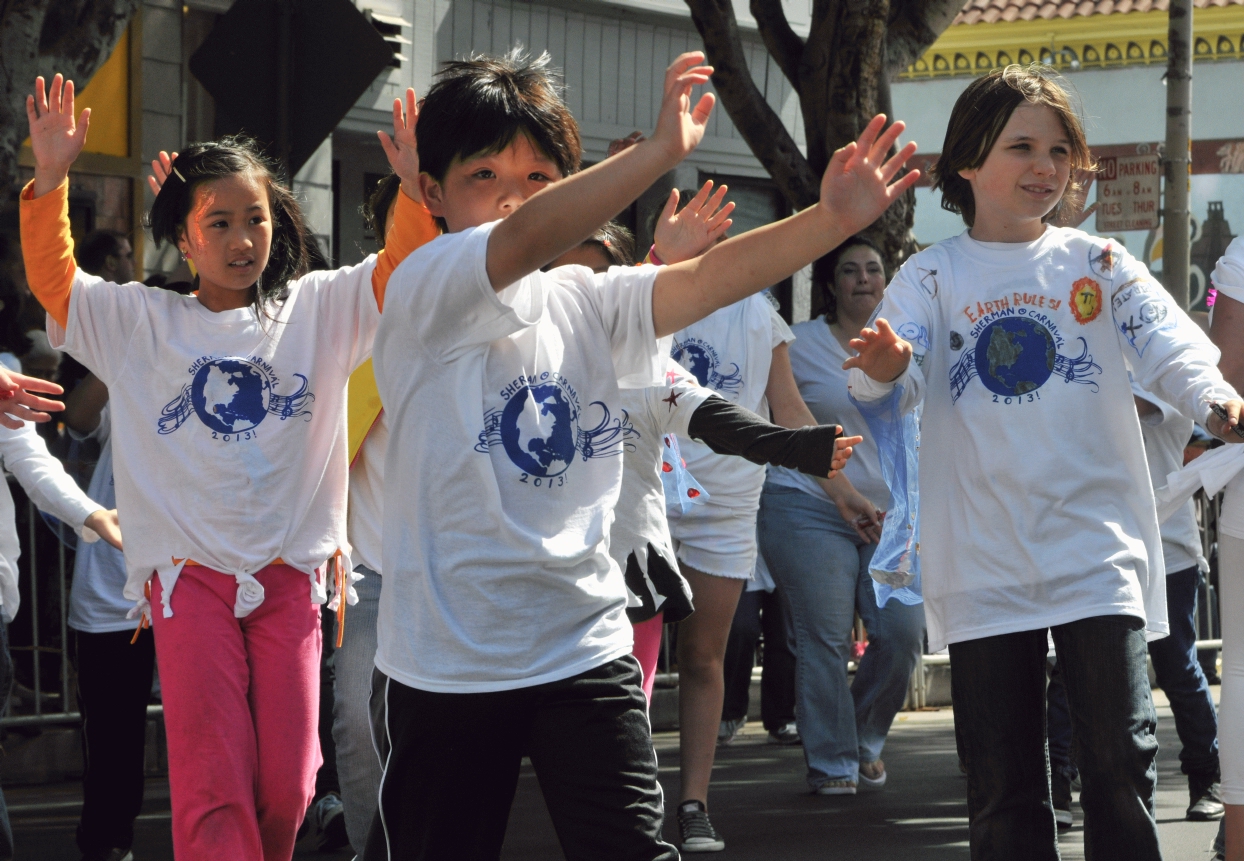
539, 449
230, 396
695, 359
1015, 355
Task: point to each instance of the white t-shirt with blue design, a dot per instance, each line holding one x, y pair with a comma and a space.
504, 465
1039, 507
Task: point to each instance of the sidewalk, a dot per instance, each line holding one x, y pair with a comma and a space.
759, 803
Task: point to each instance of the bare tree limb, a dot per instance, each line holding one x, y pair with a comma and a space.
914, 25
783, 43
756, 121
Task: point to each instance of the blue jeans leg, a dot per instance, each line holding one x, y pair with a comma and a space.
358, 764
1180, 676
1102, 661
895, 640
815, 558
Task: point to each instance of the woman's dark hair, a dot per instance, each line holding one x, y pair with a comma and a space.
94, 250
615, 242
824, 273
12, 338
976, 122
479, 105
230, 156
376, 207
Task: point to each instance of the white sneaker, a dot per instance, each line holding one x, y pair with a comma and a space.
837, 787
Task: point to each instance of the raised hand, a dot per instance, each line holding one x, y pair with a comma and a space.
19, 404
55, 139
857, 187
680, 127
881, 353
401, 148
683, 235
161, 167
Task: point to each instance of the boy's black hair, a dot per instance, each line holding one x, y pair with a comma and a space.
479, 105
615, 242
825, 269
976, 123
229, 156
95, 249
376, 207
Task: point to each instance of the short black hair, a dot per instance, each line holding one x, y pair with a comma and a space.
236, 154
376, 207
479, 105
96, 248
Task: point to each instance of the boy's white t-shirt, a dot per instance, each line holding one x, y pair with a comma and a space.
730, 352
228, 430
1031, 459
97, 604
1166, 434
504, 466
1228, 280
816, 360
365, 513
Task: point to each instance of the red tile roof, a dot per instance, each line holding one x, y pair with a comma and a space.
988, 11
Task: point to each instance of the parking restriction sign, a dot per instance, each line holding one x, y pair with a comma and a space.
1128, 193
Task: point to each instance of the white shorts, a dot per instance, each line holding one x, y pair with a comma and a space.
716, 539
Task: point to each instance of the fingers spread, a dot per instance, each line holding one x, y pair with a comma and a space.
869, 135
671, 205
67, 99
895, 164
886, 140
697, 203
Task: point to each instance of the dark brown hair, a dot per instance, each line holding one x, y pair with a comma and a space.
479, 105
203, 162
376, 207
824, 273
615, 242
978, 118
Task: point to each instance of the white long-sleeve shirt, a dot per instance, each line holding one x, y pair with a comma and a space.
1042, 512
45, 481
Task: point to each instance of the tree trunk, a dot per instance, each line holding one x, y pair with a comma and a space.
42, 37
842, 74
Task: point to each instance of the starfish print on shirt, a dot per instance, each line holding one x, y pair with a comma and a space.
672, 400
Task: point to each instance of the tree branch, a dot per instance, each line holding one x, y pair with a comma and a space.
783, 43
755, 119
913, 26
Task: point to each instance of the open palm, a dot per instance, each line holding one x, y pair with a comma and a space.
680, 126
55, 138
857, 187
401, 148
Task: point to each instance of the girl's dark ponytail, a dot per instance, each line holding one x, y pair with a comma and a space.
202, 162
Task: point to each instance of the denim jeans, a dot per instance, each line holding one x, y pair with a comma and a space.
998, 689
358, 765
822, 565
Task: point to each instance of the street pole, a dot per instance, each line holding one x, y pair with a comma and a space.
1176, 213
284, 80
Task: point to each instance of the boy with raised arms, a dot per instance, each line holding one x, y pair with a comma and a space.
503, 628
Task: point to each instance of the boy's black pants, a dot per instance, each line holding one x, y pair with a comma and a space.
451, 764
114, 687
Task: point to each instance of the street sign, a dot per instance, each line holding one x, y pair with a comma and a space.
1129, 193
287, 71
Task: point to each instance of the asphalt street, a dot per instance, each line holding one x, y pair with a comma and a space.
759, 803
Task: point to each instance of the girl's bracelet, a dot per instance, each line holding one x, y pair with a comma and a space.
652, 256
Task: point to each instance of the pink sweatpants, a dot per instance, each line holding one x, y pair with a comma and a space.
647, 649
241, 704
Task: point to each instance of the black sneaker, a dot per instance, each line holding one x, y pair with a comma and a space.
698, 834
1060, 793
1205, 801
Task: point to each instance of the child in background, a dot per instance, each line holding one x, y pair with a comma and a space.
502, 627
24, 453
640, 540
228, 415
1043, 517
